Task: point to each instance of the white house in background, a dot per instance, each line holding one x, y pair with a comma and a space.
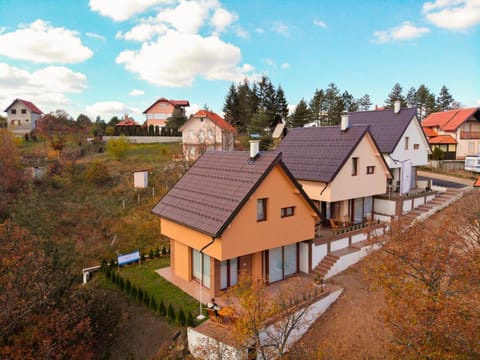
401, 140
22, 116
206, 131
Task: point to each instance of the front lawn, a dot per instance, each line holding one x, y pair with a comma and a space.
145, 277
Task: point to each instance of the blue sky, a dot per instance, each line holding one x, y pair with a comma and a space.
110, 57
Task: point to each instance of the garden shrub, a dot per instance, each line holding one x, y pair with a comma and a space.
171, 313
181, 318
162, 311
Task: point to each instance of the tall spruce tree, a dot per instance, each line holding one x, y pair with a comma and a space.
334, 105
444, 100
395, 95
425, 102
364, 103
411, 97
300, 116
317, 108
281, 106
349, 102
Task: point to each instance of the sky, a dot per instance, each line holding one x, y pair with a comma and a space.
114, 57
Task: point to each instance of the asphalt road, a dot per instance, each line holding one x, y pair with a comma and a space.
444, 180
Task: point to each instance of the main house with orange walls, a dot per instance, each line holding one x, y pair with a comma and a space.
237, 213
341, 168
158, 113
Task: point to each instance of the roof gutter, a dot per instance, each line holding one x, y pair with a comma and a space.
201, 316
322, 217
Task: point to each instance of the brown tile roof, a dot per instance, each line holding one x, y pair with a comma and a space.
450, 120
442, 139
386, 127
173, 102
319, 153
127, 121
215, 118
27, 104
214, 189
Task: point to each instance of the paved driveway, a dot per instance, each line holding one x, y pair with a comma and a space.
444, 180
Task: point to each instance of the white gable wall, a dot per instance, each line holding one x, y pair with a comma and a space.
418, 157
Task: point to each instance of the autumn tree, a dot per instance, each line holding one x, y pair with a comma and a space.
268, 324
432, 291
12, 173
117, 148
43, 313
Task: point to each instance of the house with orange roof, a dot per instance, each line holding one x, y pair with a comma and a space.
455, 132
22, 116
206, 131
237, 212
158, 113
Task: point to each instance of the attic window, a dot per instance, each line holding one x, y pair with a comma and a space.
13, 111
287, 211
261, 209
416, 146
370, 170
24, 111
354, 166
406, 142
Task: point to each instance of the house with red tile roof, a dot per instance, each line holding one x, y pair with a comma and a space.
206, 131
341, 168
22, 116
401, 140
455, 132
237, 213
158, 113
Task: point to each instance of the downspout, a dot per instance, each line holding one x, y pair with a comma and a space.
201, 316
321, 192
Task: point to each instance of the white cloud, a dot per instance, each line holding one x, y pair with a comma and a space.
46, 88
142, 32
453, 14
95, 36
242, 33
319, 23
222, 18
270, 62
187, 17
192, 109
281, 28
136, 92
478, 102
107, 109
39, 42
259, 30
285, 65
121, 10
406, 31
176, 59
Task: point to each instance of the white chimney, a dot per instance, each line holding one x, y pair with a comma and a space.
344, 122
254, 148
396, 106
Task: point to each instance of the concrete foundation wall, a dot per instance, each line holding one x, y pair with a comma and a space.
318, 253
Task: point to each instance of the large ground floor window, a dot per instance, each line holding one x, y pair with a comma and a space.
361, 209
281, 262
201, 267
228, 273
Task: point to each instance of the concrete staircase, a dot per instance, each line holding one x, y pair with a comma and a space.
422, 212
418, 214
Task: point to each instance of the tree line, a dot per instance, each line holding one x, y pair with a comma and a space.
259, 106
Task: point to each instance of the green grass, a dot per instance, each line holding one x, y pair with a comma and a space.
145, 277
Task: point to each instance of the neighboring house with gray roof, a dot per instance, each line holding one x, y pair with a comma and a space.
401, 140
341, 168
22, 116
233, 212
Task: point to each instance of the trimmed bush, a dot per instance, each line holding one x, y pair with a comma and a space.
140, 295
164, 250
146, 299
153, 304
103, 266
121, 283
142, 257
157, 252
128, 286
162, 310
171, 313
134, 291
151, 254
181, 318
189, 321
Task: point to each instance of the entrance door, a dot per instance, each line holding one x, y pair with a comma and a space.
245, 265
